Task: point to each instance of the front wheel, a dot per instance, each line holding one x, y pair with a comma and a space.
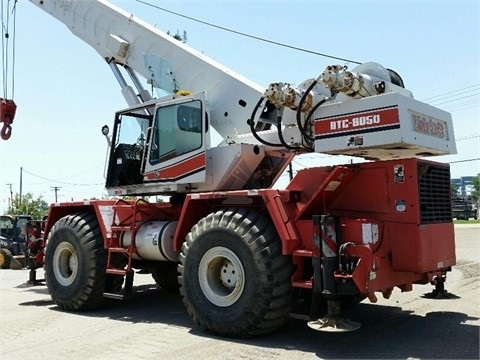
234, 279
75, 263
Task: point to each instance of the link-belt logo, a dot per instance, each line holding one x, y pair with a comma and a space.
355, 122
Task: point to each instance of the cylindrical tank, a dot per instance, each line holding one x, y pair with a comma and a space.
154, 241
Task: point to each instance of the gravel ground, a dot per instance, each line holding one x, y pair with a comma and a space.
155, 325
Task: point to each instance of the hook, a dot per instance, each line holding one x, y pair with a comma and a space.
6, 131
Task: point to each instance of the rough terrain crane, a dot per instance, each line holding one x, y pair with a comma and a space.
245, 256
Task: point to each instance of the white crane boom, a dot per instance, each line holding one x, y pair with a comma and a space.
164, 61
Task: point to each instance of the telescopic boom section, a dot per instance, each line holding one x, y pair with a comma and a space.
164, 61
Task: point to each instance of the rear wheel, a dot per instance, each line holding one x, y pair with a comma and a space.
75, 262
234, 279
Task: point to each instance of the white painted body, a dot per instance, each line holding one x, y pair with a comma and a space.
360, 128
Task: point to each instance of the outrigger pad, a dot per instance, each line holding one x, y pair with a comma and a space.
440, 295
333, 324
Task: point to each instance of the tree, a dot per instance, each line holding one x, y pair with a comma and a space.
28, 205
476, 186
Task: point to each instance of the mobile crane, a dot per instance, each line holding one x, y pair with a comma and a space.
244, 256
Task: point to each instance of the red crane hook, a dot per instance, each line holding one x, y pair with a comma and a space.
7, 114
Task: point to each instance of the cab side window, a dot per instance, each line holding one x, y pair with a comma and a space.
177, 131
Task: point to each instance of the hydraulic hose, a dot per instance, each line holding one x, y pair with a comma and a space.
307, 120
280, 136
251, 123
299, 112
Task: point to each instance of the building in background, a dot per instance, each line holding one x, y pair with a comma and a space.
464, 183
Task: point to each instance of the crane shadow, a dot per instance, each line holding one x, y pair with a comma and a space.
387, 332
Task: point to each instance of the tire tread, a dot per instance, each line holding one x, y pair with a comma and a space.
270, 307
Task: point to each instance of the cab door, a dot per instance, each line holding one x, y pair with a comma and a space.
177, 142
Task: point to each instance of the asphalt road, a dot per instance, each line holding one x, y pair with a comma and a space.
155, 325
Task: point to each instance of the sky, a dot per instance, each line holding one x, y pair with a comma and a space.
65, 92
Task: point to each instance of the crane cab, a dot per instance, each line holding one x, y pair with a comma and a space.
158, 146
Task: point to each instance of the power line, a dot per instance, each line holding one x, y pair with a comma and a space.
58, 181
462, 161
249, 35
457, 99
447, 94
460, 107
467, 137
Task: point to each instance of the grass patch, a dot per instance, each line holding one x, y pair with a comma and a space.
471, 221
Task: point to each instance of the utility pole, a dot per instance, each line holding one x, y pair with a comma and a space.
10, 200
20, 198
56, 188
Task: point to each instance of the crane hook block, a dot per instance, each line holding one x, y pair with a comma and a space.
7, 114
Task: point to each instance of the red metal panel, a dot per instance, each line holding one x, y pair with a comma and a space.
353, 230
382, 211
321, 186
59, 210
192, 211
423, 248
366, 193
282, 221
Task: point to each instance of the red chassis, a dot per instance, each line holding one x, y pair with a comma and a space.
380, 224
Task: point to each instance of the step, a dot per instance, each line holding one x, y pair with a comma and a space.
118, 250
117, 296
303, 253
120, 228
116, 272
113, 296
300, 317
305, 284
123, 206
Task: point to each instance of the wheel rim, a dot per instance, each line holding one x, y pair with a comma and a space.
221, 276
65, 264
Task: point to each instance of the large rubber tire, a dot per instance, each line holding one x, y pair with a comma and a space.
166, 276
75, 263
5, 258
233, 277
